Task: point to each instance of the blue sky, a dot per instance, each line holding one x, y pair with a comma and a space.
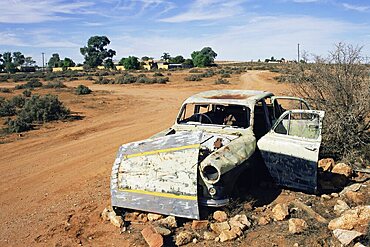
238, 30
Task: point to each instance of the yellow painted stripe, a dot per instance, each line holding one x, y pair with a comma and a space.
161, 194
162, 151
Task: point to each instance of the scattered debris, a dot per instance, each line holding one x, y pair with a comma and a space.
152, 238
264, 220
231, 234
325, 197
345, 237
340, 207
357, 218
240, 221
297, 225
309, 211
220, 216
162, 230
154, 217
326, 164
184, 237
109, 215
199, 224
169, 222
343, 169
356, 197
207, 235
280, 211
352, 187
219, 227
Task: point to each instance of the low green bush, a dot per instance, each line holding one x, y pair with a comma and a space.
6, 108
27, 93
221, 81
193, 78
82, 89
55, 84
4, 90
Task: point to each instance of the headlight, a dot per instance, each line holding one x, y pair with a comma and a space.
211, 174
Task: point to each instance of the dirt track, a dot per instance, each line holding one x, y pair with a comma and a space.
55, 180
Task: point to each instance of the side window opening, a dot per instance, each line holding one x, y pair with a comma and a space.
304, 125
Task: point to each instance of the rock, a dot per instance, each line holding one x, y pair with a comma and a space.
352, 187
152, 238
359, 245
346, 236
341, 206
209, 235
280, 211
248, 206
335, 195
356, 197
219, 227
326, 164
325, 197
217, 239
131, 216
264, 220
162, 230
343, 169
169, 222
240, 221
154, 217
114, 219
356, 218
142, 218
199, 224
231, 234
195, 240
297, 225
184, 238
220, 216
105, 213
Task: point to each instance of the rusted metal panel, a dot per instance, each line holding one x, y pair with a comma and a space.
158, 175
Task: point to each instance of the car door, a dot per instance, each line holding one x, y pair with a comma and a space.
282, 103
290, 149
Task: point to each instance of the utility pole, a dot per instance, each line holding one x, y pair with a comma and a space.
43, 63
298, 53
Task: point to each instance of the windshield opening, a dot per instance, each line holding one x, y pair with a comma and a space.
215, 114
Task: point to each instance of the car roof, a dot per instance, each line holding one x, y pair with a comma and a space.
237, 97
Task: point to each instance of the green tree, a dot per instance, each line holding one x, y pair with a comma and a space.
146, 58
108, 64
188, 63
54, 61
130, 63
67, 62
95, 52
177, 59
166, 56
29, 61
204, 57
8, 62
18, 58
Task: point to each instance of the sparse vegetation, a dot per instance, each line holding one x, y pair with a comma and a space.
221, 81
4, 90
55, 84
32, 83
27, 93
82, 89
28, 112
193, 78
339, 85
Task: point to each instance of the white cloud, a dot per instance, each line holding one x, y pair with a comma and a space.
34, 11
305, 1
10, 39
356, 7
202, 10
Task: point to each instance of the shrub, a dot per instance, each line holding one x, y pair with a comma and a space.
89, 78
225, 75
27, 93
102, 80
6, 108
125, 79
73, 79
32, 83
339, 85
163, 80
17, 101
221, 81
193, 78
208, 73
56, 84
195, 71
5, 90
4, 78
38, 109
158, 74
82, 89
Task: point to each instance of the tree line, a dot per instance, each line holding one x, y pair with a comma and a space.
96, 54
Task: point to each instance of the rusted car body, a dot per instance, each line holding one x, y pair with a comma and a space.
215, 137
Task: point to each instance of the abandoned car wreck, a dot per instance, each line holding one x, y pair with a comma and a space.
216, 136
